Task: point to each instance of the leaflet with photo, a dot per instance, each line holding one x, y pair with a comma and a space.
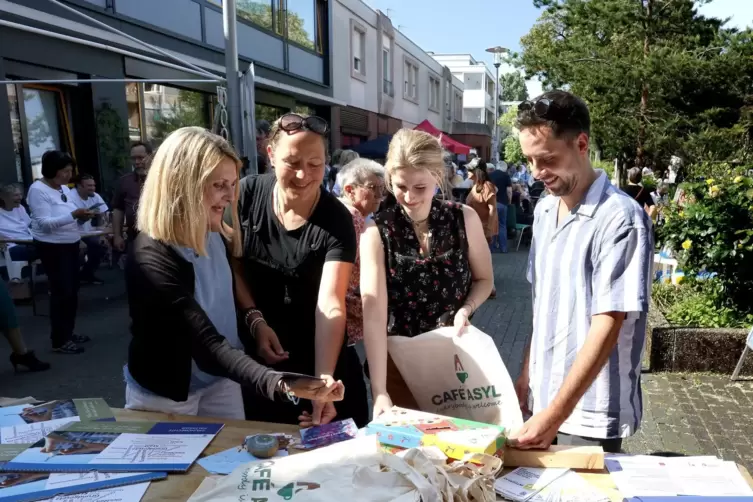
90, 409
116, 447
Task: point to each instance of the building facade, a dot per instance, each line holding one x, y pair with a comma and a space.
479, 85
386, 79
50, 55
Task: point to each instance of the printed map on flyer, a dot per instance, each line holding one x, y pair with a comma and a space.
29, 486
86, 409
116, 447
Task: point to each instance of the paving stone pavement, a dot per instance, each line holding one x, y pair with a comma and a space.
686, 414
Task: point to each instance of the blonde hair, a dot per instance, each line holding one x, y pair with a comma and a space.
411, 149
171, 207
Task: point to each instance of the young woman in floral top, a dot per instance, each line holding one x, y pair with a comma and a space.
425, 263
362, 189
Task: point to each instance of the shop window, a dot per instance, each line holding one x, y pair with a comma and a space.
268, 113
133, 100
304, 110
169, 108
47, 126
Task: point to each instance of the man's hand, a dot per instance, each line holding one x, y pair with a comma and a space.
268, 345
118, 243
323, 413
538, 433
521, 389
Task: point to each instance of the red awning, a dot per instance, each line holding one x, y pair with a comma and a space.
448, 143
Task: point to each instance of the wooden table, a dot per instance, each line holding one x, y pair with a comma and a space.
179, 487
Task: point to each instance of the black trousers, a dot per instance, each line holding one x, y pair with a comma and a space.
61, 264
609, 445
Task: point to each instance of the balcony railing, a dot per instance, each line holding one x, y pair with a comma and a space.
387, 87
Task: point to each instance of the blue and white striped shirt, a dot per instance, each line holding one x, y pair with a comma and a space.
597, 260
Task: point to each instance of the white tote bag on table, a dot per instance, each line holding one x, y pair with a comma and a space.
460, 377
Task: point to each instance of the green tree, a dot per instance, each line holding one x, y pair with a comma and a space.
189, 109
260, 13
658, 77
513, 151
513, 87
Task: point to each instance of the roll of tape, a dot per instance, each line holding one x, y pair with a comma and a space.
262, 445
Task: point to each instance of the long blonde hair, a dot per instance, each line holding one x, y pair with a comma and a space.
411, 149
171, 207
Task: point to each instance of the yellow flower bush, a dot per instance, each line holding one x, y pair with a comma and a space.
687, 244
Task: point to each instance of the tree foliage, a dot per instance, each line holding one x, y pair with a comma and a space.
513, 87
260, 13
189, 109
659, 78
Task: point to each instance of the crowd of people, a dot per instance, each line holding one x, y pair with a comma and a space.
238, 286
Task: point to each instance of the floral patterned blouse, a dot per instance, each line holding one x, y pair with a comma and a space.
354, 309
423, 293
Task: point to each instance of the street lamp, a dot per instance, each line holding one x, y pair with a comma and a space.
498, 52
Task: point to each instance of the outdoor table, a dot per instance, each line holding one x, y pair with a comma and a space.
179, 487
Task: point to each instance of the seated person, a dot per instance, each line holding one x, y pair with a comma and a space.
86, 197
14, 225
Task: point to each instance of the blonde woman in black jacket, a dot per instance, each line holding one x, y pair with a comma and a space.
186, 355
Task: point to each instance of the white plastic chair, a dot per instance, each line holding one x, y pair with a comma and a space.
748, 348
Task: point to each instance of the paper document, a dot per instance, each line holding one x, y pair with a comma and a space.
154, 449
31, 433
130, 493
571, 487
64, 480
525, 482
226, 461
643, 476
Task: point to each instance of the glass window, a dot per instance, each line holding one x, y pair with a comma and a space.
15, 124
134, 111
304, 110
42, 124
168, 108
301, 22
258, 12
358, 42
268, 113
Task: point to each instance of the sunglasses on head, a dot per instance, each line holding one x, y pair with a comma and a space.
292, 122
543, 108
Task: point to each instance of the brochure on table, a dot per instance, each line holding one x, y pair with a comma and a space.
130, 493
648, 476
116, 447
89, 409
523, 483
29, 486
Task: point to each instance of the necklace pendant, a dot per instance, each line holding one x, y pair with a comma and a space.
287, 300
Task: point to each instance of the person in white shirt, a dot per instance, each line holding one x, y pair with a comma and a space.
85, 196
57, 238
14, 225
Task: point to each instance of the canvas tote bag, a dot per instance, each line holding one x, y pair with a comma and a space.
458, 376
356, 470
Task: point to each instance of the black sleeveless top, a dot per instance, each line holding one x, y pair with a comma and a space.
423, 293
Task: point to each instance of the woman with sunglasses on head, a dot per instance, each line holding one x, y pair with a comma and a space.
425, 263
186, 355
54, 227
299, 250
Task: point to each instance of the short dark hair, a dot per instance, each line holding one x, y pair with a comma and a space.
54, 161
482, 175
145, 144
568, 115
481, 164
83, 177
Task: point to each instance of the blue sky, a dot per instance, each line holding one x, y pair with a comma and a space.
471, 26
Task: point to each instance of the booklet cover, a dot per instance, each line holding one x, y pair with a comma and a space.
28, 486
86, 409
326, 434
116, 447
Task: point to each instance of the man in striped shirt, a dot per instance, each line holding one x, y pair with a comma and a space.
589, 266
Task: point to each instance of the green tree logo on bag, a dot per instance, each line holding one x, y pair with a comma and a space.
459, 370
289, 490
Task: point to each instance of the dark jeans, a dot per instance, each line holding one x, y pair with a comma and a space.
609, 445
94, 253
61, 264
500, 241
23, 252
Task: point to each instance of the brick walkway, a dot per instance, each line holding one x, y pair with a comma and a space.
687, 414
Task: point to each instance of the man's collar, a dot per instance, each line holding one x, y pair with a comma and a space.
593, 196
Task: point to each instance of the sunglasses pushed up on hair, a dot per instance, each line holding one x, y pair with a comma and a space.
543, 108
292, 122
